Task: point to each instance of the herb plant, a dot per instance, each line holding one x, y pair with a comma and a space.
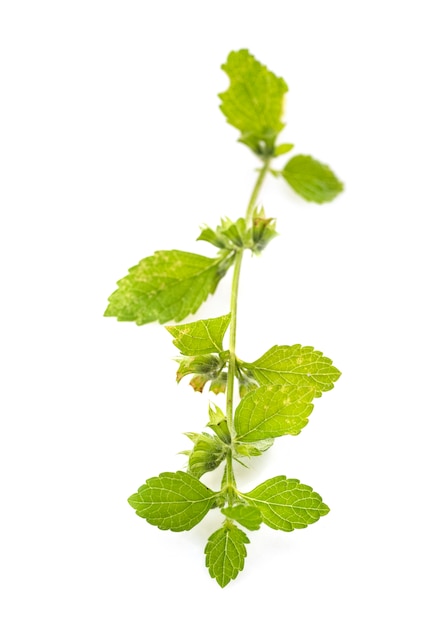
276, 390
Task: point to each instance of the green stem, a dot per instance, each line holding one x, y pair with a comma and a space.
228, 480
253, 199
232, 344
233, 325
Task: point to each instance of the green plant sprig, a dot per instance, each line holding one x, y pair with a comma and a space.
276, 390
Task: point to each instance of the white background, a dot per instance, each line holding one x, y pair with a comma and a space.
113, 146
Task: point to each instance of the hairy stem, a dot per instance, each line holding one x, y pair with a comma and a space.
233, 324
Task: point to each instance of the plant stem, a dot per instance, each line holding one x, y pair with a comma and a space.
253, 199
233, 325
232, 342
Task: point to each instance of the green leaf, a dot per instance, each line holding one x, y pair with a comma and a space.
284, 148
273, 411
166, 286
207, 454
245, 514
295, 365
311, 179
173, 501
201, 337
286, 504
225, 553
253, 103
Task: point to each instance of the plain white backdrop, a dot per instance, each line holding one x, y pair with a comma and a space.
113, 146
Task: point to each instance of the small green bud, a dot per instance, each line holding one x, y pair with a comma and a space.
263, 231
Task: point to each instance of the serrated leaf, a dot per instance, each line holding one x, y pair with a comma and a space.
166, 286
273, 411
286, 504
202, 337
245, 514
207, 454
295, 365
311, 179
173, 501
225, 553
253, 103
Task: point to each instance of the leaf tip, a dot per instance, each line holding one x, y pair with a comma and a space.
324, 510
108, 312
132, 500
